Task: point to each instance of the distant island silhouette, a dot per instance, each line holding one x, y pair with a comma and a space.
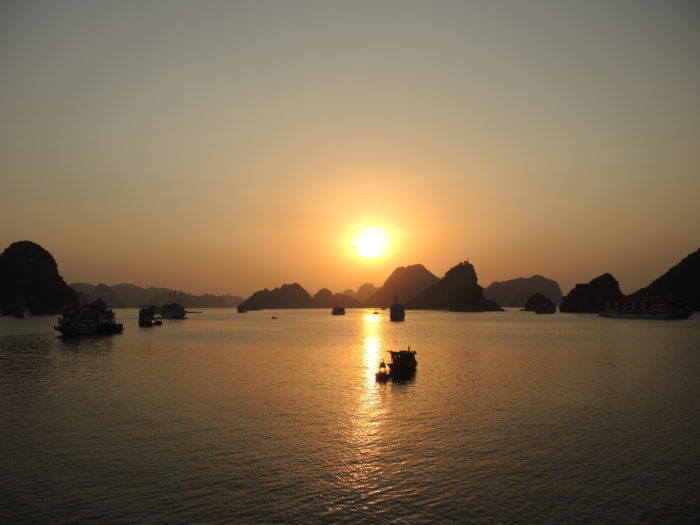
29, 279
682, 281
591, 297
457, 291
125, 295
515, 292
405, 282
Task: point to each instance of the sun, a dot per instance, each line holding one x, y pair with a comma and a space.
371, 242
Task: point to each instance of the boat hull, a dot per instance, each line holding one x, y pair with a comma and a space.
647, 315
90, 330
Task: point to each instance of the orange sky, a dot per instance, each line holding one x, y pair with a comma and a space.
225, 147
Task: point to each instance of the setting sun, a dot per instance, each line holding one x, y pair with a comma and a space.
371, 243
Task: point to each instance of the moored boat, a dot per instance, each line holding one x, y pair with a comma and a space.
93, 318
146, 316
173, 311
403, 365
646, 308
398, 311
338, 310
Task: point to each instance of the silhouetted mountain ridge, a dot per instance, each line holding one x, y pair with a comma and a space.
457, 291
682, 280
125, 295
591, 297
405, 282
515, 292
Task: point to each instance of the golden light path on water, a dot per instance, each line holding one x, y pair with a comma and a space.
361, 471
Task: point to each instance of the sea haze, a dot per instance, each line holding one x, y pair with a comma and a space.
512, 417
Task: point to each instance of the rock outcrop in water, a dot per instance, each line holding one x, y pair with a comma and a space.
516, 292
457, 291
682, 281
591, 297
538, 302
405, 282
285, 296
29, 279
324, 298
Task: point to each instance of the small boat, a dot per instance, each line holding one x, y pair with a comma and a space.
646, 308
93, 318
338, 310
398, 311
242, 308
157, 319
383, 373
403, 365
273, 317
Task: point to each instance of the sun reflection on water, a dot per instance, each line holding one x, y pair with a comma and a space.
362, 468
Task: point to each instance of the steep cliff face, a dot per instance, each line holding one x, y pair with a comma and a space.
682, 281
457, 291
29, 278
515, 292
405, 282
591, 297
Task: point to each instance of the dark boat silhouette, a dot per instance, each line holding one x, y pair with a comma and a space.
403, 365
338, 310
398, 311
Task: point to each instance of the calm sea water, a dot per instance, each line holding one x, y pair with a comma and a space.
225, 417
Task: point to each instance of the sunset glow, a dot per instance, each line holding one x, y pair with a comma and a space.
371, 243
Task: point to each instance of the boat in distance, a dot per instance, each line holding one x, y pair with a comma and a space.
398, 311
146, 316
646, 308
338, 310
89, 319
403, 364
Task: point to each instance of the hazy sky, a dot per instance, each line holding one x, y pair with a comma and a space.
227, 146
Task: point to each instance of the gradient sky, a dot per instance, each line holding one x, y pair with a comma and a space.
228, 146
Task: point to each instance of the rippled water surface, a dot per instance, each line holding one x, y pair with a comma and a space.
225, 417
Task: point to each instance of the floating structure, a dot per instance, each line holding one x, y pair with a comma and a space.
338, 310
403, 365
242, 308
146, 316
157, 319
398, 311
93, 318
173, 311
646, 308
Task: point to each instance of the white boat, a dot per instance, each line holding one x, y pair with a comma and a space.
646, 308
93, 318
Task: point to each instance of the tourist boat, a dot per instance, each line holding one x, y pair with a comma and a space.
646, 308
93, 318
403, 364
398, 311
146, 316
173, 311
338, 310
